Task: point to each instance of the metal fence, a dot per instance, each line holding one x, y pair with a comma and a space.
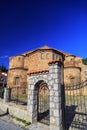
76, 106
19, 95
1, 90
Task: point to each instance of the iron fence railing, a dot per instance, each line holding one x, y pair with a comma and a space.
76, 106
1, 91
19, 95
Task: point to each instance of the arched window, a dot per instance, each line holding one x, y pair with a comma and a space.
17, 80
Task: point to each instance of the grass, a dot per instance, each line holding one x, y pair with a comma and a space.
21, 120
24, 96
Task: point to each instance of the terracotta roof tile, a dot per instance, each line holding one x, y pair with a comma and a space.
54, 61
44, 48
36, 72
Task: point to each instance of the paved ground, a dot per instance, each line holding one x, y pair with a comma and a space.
7, 123
38, 126
8, 126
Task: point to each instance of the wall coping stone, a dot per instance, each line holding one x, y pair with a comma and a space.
55, 61
37, 72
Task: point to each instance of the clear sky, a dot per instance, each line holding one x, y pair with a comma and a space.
29, 24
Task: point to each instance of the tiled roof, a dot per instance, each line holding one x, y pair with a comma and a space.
44, 48
55, 61
36, 72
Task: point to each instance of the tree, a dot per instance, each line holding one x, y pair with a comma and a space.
84, 61
3, 68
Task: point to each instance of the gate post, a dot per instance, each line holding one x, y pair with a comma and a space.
7, 95
56, 82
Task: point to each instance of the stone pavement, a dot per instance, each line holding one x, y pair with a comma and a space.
8, 126
7, 123
38, 126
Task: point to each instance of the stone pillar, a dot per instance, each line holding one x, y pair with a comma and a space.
7, 95
55, 82
30, 101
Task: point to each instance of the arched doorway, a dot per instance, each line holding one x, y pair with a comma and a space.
43, 115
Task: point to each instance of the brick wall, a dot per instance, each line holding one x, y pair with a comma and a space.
72, 75
16, 61
17, 73
37, 60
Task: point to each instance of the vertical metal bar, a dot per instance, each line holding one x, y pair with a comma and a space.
77, 104
17, 95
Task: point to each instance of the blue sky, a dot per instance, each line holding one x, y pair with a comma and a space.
29, 24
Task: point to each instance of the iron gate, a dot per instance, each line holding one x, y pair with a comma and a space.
43, 104
76, 106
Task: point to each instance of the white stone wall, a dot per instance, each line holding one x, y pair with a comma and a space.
15, 110
53, 78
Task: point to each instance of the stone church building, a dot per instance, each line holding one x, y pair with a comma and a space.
37, 61
42, 73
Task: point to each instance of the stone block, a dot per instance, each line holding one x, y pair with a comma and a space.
32, 87
55, 76
54, 127
52, 120
56, 81
58, 121
52, 93
51, 98
51, 82
49, 78
52, 105
55, 99
56, 93
56, 113
55, 87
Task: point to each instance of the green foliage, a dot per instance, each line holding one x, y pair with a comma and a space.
21, 120
3, 68
85, 61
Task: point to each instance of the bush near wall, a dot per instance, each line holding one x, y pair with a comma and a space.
84, 61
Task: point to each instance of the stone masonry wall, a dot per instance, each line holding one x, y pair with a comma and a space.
38, 60
15, 110
16, 61
54, 82
73, 69
72, 75
35, 61
14, 73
